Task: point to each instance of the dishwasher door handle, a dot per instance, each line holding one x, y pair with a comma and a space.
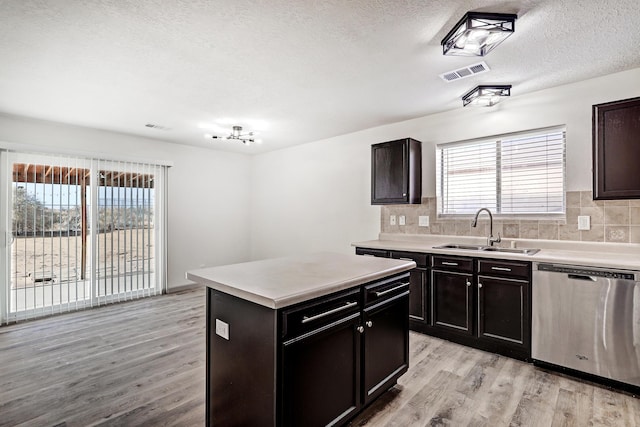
582, 277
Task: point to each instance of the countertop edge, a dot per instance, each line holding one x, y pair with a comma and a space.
546, 255
306, 295
341, 286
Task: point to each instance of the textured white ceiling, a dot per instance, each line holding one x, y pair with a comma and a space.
298, 70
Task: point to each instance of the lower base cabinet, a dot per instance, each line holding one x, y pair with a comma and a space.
386, 347
483, 303
452, 297
331, 356
419, 299
480, 302
321, 375
504, 306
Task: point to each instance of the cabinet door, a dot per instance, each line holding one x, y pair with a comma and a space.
616, 132
503, 310
389, 172
418, 286
321, 375
452, 294
386, 345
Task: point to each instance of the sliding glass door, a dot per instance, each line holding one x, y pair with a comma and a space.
81, 232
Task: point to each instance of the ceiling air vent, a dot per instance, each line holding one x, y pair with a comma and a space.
471, 70
154, 126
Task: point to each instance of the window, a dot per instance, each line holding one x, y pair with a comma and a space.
516, 174
84, 232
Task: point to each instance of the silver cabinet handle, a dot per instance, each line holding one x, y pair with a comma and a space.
381, 293
406, 259
468, 283
449, 263
501, 268
306, 319
479, 285
361, 329
369, 323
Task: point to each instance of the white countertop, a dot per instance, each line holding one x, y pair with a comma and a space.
280, 282
621, 256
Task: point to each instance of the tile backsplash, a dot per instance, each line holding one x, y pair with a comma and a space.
611, 221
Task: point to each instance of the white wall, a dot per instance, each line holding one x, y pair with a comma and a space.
226, 208
316, 196
208, 190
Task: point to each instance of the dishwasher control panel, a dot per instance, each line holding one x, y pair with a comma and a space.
587, 271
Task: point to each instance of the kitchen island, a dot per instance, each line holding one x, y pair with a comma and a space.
304, 340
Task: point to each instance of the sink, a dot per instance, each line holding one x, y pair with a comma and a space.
457, 246
524, 251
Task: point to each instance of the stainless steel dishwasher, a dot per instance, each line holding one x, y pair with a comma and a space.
587, 319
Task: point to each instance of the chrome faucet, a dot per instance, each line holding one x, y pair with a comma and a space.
490, 240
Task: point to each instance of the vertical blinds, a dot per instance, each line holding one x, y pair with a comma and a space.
511, 174
83, 232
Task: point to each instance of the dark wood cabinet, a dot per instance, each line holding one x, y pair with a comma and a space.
315, 363
616, 132
452, 297
419, 300
479, 302
452, 294
418, 297
483, 303
419, 278
321, 375
504, 308
341, 352
386, 343
396, 172
251, 344
501, 309
372, 252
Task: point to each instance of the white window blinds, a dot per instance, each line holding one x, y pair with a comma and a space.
83, 232
521, 174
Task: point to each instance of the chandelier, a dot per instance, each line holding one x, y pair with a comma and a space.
236, 134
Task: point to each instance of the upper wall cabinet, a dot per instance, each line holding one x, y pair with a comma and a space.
396, 172
616, 150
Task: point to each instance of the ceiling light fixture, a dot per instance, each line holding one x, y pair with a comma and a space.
477, 33
486, 96
236, 134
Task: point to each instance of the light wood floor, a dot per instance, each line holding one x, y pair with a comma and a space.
142, 363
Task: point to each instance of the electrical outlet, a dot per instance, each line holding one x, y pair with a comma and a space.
584, 222
222, 329
402, 220
423, 221
392, 220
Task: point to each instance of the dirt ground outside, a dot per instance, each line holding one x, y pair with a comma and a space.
46, 260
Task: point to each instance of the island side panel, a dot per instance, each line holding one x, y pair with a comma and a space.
241, 371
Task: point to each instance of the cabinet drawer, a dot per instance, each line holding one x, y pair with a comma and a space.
299, 320
503, 268
464, 265
419, 258
385, 289
372, 252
